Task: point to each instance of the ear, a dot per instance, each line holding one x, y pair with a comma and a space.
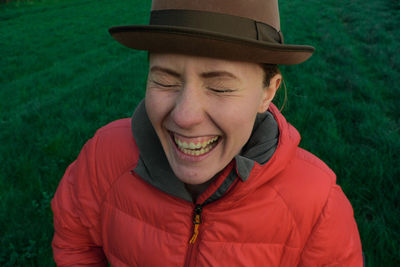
269, 92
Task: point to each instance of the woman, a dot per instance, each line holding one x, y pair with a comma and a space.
207, 172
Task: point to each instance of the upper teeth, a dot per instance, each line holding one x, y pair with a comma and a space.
192, 145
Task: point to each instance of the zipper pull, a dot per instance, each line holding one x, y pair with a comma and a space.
196, 221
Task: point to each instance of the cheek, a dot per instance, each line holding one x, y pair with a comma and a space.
236, 119
153, 97
154, 109
241, 110
243, 123
157, 105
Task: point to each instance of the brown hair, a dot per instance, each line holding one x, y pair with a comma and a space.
270, 70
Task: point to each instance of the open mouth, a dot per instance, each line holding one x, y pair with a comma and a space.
195, 146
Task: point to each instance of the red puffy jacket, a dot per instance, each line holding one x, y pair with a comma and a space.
287, 212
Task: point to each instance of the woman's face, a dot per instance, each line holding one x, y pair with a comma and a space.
203, 110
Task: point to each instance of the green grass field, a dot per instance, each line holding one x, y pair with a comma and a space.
62, 77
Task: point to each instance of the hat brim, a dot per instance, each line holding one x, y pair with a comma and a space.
168, 39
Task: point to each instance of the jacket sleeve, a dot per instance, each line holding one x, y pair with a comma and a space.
334, 240
76, 240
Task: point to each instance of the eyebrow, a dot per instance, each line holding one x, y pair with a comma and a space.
216, 74
205, 75
165, 70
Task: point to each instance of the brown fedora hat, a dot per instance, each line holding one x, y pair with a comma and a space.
246, 30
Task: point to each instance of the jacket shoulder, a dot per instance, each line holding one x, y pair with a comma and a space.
116, 135
305, 186
305, 177
77, 204
117, 126
315, 163
116, 149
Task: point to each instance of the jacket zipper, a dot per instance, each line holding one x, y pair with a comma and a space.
196, 224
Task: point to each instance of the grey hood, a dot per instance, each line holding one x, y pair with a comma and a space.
153, 166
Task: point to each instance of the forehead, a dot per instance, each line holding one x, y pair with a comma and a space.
184, 65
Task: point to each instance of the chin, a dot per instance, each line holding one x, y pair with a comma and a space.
193, 178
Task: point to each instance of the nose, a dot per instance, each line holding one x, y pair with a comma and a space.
188, 111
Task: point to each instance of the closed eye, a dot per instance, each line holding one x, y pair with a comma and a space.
165, 85
221, 90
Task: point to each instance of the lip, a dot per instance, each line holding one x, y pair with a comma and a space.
190, 158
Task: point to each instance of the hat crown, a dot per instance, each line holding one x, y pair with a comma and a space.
265, 11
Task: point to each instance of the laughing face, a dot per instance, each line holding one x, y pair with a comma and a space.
203, 110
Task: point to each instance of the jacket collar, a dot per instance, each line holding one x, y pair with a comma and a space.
259, 149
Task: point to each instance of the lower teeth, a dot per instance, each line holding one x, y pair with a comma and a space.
196, 152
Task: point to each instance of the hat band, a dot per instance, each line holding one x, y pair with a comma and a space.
234, 26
